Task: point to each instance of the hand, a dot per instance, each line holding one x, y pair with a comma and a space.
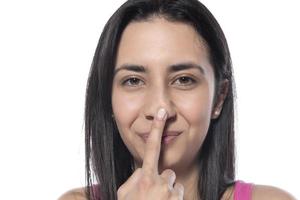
145, 183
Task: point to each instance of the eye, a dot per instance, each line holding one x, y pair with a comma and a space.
185, 80
133, 81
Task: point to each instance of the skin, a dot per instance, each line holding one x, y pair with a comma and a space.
156, 45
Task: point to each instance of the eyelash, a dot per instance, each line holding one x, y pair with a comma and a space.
185, 85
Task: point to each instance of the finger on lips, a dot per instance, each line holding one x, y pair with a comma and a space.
153, 145
147, 180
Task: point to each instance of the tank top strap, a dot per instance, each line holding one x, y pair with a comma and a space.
96, 191
242, 190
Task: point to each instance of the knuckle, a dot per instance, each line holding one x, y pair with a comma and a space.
165, 187
180, 186
170, 172
169, 175
121, 192
145, 183
179, 189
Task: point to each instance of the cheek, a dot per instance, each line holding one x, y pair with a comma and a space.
126, 109
196, 106
196, 109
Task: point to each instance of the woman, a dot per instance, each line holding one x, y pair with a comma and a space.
159, 115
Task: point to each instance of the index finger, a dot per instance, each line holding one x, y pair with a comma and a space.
153, 145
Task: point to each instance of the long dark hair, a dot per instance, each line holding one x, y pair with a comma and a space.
108, 161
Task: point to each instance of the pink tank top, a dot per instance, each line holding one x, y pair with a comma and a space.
242, 190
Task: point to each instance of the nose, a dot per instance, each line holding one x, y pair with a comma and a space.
159, 98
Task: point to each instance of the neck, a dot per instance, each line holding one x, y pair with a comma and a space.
189, 179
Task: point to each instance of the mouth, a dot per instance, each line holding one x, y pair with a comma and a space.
167, 137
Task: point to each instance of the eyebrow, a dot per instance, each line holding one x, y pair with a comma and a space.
171, 69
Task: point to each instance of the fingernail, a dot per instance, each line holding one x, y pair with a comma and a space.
161, 114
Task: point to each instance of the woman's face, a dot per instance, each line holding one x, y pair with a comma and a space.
163, 64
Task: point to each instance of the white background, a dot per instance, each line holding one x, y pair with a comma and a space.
46, 49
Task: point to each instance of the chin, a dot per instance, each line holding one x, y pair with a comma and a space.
170, 159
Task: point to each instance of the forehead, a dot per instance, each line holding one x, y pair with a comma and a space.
161, 42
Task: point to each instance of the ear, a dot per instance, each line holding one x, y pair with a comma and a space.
220, 99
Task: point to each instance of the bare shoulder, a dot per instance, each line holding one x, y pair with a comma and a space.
265, 192
74, 194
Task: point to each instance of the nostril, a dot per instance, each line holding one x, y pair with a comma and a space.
149, 117
170, 119
173, 118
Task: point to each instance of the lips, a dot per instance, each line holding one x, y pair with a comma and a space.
166, 134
